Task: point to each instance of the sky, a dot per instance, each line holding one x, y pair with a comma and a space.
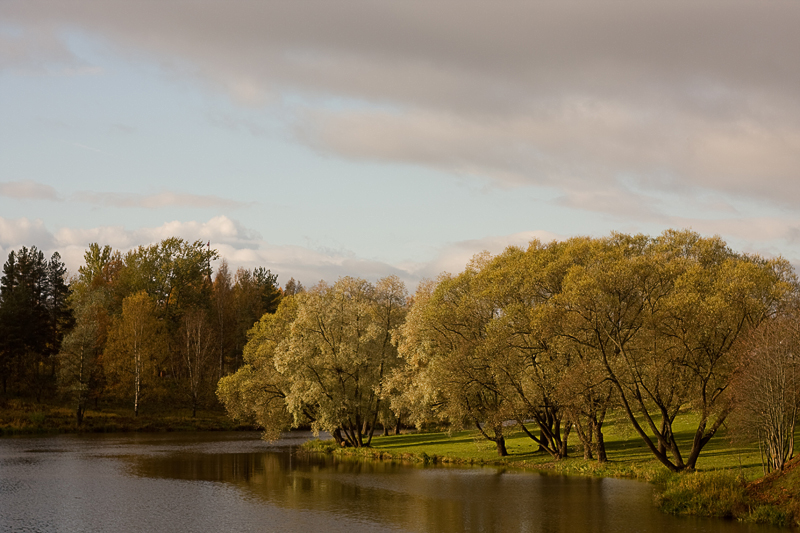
322, 139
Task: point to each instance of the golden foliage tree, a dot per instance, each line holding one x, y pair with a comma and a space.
136, 343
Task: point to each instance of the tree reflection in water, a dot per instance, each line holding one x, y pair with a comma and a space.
416, 498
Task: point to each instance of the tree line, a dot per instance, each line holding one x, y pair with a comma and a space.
145, 327
545, 340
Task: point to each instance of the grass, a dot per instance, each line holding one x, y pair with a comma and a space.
627, 453
23, 417
722, 486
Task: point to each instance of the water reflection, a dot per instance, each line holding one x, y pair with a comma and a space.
416, 498
235, 482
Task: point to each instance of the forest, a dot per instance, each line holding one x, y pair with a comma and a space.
547, 340
142, 328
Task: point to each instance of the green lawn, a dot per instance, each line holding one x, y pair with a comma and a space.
628, 455
724, 485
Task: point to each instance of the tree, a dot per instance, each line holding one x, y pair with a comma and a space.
767, 391
33, 318
176, 275
479, 347
447, 358
198, 349
256, 393
82, 347
95, 297
323, 358
174, 272
293, 287
533, 363
665, 315
224, 312
136, 342
255, 292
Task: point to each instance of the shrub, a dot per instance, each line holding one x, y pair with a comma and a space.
717, 494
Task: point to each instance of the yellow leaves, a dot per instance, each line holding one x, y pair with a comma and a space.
325, 353
657, 309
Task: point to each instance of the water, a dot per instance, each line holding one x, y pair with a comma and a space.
197, 482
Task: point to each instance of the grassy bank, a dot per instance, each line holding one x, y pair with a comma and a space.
726, 484
21, 417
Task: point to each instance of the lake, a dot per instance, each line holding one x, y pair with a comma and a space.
197, 482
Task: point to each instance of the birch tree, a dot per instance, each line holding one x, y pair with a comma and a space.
136, 342
199, 346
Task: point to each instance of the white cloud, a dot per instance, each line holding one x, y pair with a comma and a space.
156, 201
242, 247
27, 189
24, 232
31, 190
453, 257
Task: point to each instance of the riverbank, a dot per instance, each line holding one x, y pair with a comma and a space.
21, 417
729, 482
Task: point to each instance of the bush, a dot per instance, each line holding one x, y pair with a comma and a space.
717, 494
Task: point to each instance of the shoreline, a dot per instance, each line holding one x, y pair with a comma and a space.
721, 491
19, 417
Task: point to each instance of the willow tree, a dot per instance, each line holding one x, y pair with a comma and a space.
444, 345
481, 348
256, 392
537, 370
666, 316
324, 363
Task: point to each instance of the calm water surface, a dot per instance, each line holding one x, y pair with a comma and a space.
236, 482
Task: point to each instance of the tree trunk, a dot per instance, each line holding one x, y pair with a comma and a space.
585, 437
498, 438
337, 436
562, 444
600, 444
501, 447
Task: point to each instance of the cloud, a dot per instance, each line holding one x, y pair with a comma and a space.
236, 124
24, 232
218, 230
453, 257
240, 246
622, 108
156, 201
243, 247
618, 202
39, 51
31, 190
27, 189
679, 96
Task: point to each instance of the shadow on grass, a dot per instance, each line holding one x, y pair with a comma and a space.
419, 439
